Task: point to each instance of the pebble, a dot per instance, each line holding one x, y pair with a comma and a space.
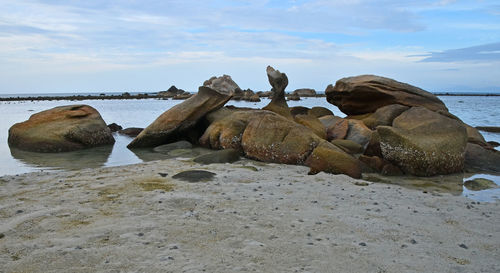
362, 244
2, 235
413, 241
463, 246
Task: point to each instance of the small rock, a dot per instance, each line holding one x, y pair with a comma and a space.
463, 246
479, 184
362, 244
163, 174
221, 156
193, 176
2, 235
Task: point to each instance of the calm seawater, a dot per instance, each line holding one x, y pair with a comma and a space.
476, 111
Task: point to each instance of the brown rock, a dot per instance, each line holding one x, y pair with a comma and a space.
424, 143
478, 158
319, 111
132, 131
61, 129
358, 132
226, 131
348, 146
174, 124
328, 158
374, 162
338, 130
299, 110
474, 136
367, 93
329, 120
373, 147
312, 123
273, 138
278, 104
384, 115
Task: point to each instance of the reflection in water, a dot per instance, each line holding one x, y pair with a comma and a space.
75, 160
452, 183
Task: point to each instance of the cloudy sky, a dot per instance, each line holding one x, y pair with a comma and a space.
146, 46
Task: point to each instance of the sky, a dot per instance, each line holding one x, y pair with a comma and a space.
67, 46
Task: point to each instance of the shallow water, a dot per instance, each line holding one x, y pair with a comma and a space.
476, 111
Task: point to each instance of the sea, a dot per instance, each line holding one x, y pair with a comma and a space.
473, 110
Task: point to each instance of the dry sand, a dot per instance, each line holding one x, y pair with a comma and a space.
251, 217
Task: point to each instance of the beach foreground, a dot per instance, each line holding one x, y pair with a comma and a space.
250, 217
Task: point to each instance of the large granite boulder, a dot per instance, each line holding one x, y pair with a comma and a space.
273, 138
61, 129
278, 104
424, 143
366, 93
178, 122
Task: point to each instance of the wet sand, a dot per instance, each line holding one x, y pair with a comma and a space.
250, 217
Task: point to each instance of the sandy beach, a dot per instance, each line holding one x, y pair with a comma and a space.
251, 217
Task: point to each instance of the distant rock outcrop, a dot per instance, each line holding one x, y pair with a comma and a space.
304, 92
367, 93
61, 129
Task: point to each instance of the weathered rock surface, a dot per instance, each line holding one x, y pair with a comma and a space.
223, 84
278, 104
367, 93
312, 123
329, 120
424, 143
273, 138
349, 146
269, 137
481, 159
61, 129
338, 130
174, 124
384, 115
358, 132
319, 111
328, 158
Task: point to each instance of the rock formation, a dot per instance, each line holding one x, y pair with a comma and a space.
61, 129
177, 122
367, 93
278, 104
